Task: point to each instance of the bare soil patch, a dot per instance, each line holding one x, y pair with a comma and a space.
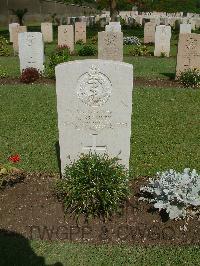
138, 82
30, 209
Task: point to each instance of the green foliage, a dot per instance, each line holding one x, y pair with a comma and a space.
94, 185
9, 175
87, 50
80, 42
4, 48
190, 78
3, 72
93, 39
60, 55
174, 192
140, 50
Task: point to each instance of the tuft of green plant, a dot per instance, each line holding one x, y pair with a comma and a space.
94, 185
163, 55
93, 39
87, 50
60, 55
80, 42
3, 72
190, 78
10, 175
4, 48
174, 192
140, 50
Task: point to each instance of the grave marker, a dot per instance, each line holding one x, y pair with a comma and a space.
188, 56
110, 45
31, 50
94, 105
66, 36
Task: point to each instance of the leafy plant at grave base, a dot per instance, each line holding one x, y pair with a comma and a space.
176, 193
131, 40
94, 185
9, 175
4, 48
93, 40
190, 78
80, 42
87, 50
3, 72
29, 75
140, 50
60, 55
162, 55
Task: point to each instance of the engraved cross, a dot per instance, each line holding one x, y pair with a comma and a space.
94, 147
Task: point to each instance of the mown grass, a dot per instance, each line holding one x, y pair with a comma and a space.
165, 128
147, 67
18, 251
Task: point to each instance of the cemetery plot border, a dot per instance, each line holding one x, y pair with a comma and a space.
41, 216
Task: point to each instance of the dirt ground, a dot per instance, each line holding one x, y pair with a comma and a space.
31, 209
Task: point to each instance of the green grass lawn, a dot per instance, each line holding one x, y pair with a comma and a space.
20, 253
165, 128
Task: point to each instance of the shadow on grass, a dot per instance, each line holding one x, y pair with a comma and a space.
16, 250
171, 76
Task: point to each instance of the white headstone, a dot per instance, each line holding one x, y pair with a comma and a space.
162, 40
15, 36
47, 31
149, 32
80, 31
185, 28
94, 105
31, 50
66, 36
110, 45
11, 26
114, 27
188, 56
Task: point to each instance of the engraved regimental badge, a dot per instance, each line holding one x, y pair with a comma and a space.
94, 88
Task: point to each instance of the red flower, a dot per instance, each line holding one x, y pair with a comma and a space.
14, 158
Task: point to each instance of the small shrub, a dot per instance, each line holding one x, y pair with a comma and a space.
29, 75
94, 185
93, 40
131, 40
174, 192
140, 50
3, 72
10, 175
80, 42
87, 50
4, 47
190, 78
60, 55
163, 55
